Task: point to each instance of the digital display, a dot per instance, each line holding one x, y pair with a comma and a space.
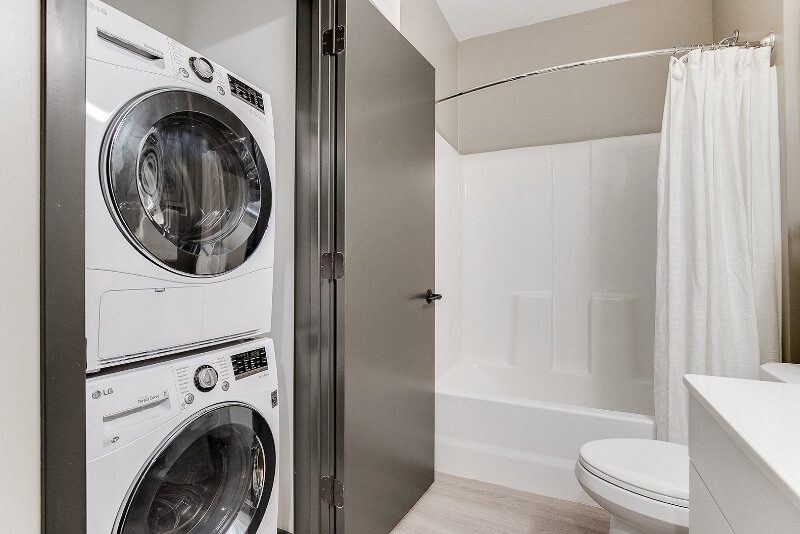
242, 91
250, 362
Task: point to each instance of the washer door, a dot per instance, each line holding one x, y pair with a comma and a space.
215, 476
186, 182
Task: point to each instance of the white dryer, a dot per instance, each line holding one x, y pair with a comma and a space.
180, 159
184, 446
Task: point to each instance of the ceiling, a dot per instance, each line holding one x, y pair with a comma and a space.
474, 18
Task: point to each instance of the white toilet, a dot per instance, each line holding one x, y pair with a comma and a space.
642, 483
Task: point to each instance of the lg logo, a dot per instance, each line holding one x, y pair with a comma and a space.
92, 5
99, 393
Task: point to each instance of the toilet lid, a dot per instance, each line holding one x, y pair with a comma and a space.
655, 469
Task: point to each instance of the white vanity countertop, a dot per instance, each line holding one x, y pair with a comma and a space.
781, 372
763, 419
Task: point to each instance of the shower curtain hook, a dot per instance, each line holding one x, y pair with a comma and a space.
731, 40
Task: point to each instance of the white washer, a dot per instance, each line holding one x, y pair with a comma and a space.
188, 445
180, 159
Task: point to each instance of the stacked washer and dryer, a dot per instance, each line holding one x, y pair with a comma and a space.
182, 390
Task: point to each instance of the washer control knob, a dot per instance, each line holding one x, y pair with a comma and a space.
203, 68
205, 378
189, 398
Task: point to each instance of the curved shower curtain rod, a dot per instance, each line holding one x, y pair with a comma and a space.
730, 41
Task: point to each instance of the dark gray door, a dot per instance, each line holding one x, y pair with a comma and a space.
385, 227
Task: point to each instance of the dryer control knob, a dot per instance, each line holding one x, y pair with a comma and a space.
205, 378
203, 68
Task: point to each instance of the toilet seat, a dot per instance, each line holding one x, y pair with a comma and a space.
655, 469
643, 484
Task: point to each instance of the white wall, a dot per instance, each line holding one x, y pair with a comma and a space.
557, 272
390, 9
19, 283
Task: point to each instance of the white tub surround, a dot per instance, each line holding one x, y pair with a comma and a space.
745, 474
544, 339
547, 259
523, 444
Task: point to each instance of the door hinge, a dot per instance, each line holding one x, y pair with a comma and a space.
331, 266
333, 41
332, 491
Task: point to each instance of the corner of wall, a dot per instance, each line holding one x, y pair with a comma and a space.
424, 25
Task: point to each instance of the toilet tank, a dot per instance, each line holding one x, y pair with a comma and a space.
781, 372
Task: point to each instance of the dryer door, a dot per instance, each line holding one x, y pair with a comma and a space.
214, 475
186, 182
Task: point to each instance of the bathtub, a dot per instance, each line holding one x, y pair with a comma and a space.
519, 443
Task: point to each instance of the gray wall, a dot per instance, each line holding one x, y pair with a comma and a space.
610, 100
19, 314
422, 23
754, 20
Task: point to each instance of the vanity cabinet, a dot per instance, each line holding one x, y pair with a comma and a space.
745, 477
704, 514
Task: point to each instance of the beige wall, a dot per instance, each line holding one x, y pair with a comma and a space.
754, 20
19, 284
610, 100
790, 44
422, 23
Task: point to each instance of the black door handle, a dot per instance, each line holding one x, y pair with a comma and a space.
430, 296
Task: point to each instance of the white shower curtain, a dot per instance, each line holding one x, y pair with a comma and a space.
719, 244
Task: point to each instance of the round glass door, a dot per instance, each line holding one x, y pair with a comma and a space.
214, 476
186, 182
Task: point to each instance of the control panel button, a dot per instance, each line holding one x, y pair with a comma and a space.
225, 386
205, 378
220, 90
184, 72
189, 398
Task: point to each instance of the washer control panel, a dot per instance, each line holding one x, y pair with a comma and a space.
199, 378
249, 363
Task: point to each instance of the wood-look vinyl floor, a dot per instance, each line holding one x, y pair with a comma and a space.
455, 505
